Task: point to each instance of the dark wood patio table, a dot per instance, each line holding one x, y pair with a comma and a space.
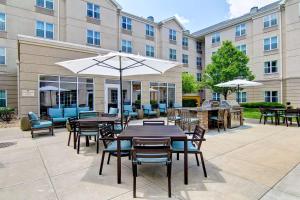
108, 120
174, 132
277, 114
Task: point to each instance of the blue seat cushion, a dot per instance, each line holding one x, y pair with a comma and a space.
82, 109
59, 119
43, 124
133, 114
214, 118
152, 113
179, 146
88, 133
125, 146
70, 112
55, 112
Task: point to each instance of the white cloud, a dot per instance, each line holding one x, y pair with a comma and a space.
182, 19
240, 7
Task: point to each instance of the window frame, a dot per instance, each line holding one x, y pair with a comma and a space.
239, 47
270, 67
149, 32
239, 30
185, 59
268, 19
93, 37
45, 4
185, 41
172, 35
241, 98
271, 96
216, 38
44, 29
150, 53
198, 61
93, 10
5, 59
217, 95
172, 56
126, 46
127, 23
269, 39
198, 76
5, 97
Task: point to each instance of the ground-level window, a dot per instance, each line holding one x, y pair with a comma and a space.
3, 98
162, 93
216, 96
241, 97
198, 76
271, 96
65, 92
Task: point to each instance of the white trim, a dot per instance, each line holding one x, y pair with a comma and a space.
5, 92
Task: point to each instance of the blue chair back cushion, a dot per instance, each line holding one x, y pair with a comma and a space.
147, 108
70, 112
55, 112
83, 109
113, 111
128, 108
34, 118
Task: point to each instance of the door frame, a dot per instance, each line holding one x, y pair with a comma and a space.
108, 86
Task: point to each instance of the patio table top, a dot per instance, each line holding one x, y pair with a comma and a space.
99, 119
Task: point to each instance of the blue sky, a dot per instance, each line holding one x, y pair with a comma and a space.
194, 14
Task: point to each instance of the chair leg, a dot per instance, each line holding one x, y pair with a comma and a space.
218, 124
177, 156
197, 159
298, 121
286, 122
74, 139
203, 164
69, 138
169, 169
134, 168
108, 159
97, 144
265, 119
260, 119
32, 133
101, 165
78, 144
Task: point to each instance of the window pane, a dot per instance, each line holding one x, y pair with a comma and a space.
2, 22
2, 56
49, 94
274, 43
68, 95
40, 3
86, 95
49, 31
40, 29
89, 10
97, 11
49, 4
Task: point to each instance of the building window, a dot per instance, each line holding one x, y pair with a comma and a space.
185, 42
2, 56
149, 30
162, 93
240, 30
126, 23
270, 21
271, 96
44, 30
2, 22
93, 10
172, 35
48, 4
198, 47
3, 98
185, 59
198, 76
93, 37
149, 51
242, 48
241, 97
216, 96
270, 43
216, 38
271, 67
199, 62
172, 54
126, 46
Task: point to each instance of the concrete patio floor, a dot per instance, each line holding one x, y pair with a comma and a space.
252, 162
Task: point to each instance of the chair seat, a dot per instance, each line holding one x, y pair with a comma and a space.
178, 146
152, 160
291, 115
152, 113
60, 119
87, 133
269, 114
214, 118
125, 146
43, 124
133, 114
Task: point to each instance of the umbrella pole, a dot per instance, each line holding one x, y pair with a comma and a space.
238, 93
121, 89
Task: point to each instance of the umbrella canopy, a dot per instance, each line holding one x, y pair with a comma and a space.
239, 83
118, 64
112, 63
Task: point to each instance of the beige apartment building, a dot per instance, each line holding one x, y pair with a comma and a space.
33, 31
270, 38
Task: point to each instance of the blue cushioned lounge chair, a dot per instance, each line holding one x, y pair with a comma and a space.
70, 112
128, 111
148, 110
37, 124
162, 108
56, 115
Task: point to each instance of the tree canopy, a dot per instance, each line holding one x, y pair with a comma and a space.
189, 83
228, 63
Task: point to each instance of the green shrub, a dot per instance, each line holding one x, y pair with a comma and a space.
6, 114
262, 104
154, 104
189, 103
25, 124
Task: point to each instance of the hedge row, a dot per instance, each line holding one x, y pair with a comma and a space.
6, 113
262, 104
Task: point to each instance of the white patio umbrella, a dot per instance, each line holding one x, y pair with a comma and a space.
239, 83
118, 64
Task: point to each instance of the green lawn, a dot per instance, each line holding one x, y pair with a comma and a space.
252, 113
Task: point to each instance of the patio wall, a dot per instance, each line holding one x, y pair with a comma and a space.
37, 57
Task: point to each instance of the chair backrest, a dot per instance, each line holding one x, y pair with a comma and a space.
83, 109
185, 115
162, 106
72, 122
198, 134
171, 113
33, 118
107, 135
55, 112
292, 111
147, 108
177, 105
113, 111
153, 123
151, 148
128, 108
70, 112
88, 127
88, 114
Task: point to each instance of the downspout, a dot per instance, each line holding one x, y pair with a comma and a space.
18, 62
119, 29
281, 56
58, 20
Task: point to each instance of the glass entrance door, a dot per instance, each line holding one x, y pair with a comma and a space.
112, 96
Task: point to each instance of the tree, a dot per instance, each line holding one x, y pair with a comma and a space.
189, 83
228, 63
